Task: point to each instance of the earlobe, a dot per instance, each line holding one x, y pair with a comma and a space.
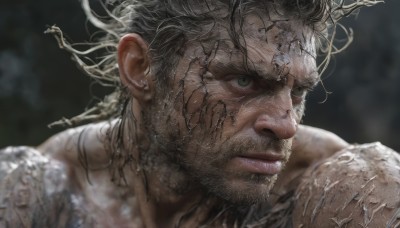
133, 65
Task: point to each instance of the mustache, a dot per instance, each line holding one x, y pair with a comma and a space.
243, 145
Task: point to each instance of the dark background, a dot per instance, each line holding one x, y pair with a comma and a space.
39, 83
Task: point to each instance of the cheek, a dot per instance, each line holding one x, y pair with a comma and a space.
194, 105
202, 116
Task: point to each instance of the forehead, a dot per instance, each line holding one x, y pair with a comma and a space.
276, 29
273, 43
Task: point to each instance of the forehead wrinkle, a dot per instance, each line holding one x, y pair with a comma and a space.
259, 61
231, 61
259, 54
284, 33
258, 64
237, 64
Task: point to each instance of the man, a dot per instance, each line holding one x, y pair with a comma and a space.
211, 94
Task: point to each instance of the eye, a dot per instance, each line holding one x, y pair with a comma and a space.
244, 81
299, 91
243, 85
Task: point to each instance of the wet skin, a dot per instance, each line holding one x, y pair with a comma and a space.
236, 119
109, 204
226, 124
223, 131
219, 134
102, 203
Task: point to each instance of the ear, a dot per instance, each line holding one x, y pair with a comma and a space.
133, 66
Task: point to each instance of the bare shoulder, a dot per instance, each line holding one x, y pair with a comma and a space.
313, 144
357, 187
69, 145
310, 145
33, 191
85, 153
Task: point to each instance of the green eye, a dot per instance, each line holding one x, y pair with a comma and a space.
244, 81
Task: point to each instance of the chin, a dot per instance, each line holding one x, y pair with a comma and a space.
245, 191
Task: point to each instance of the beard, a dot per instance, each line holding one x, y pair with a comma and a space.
194, 157
209, 168
197, 161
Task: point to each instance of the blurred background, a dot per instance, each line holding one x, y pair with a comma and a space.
40, 84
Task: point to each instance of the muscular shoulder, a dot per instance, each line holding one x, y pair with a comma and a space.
33, 190
84, 142
310, 146
358, 187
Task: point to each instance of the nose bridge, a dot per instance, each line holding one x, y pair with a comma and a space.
277, 117
281, 105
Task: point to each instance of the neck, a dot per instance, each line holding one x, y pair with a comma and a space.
162, 206
167, 197
172, 199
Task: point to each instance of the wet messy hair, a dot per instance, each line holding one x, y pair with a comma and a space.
166, 25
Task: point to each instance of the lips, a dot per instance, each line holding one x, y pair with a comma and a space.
266, 164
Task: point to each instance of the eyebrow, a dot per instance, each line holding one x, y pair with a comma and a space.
308, 82
245, 68
260, 72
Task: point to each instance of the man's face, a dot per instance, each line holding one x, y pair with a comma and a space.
229, 119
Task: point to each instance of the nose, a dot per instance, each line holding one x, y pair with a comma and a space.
277, 120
